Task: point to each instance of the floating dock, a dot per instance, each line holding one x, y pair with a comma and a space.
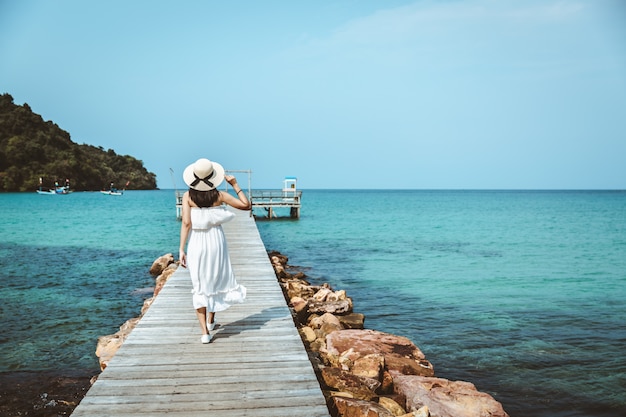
256, 365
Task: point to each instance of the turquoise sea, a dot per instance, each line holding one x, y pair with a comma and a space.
522, 293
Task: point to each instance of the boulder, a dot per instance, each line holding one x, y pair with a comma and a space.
278, 259
317, 344
328, 328
422, 412
360, 387
280, 272
298, 304
163, 277
393, 407
337, 296
387, 383
333, 307
370, 366
317, 322
107, 347
352, 407
296, 288
159, 265
300, 275
307, 334
322, 294
352, 320
346, 360
146, 305
400, 353
128, 326
446, 398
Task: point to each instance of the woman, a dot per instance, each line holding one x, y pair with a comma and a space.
214, 285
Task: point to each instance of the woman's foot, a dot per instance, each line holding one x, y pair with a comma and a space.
209, 325
206, 338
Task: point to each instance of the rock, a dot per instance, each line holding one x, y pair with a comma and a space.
278, 259
322, 294
446, 398
326, 329
370, 366
343, 394
387, 383
146, 305
400, 353
280, 272
160, 264
107, 347
158, 287
307, 334
393, 407
346, 360
298, 304
422, 412
337, 296
362, 388
128, 326
297, 288
317, 322
352, 320
317, 344
300, 275
332, 307
163, 277
352, 407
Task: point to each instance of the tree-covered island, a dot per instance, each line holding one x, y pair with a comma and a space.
32, 149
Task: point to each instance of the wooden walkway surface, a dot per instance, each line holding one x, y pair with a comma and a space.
256, 364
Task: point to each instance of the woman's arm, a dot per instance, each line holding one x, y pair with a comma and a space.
185, 227
241, 202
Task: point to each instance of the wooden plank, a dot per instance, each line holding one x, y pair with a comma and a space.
255, 366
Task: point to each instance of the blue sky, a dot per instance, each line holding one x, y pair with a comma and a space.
476, 94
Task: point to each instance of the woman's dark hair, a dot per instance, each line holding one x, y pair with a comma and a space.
204, 198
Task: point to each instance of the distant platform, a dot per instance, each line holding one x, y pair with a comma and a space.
266, 204
272, 202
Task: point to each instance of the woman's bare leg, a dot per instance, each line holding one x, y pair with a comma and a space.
201, 313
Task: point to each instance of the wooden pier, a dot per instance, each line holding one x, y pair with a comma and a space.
256, 365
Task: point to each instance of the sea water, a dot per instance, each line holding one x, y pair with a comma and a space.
522, 293
75, 267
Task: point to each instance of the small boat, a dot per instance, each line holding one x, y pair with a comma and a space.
114, 191
57, 190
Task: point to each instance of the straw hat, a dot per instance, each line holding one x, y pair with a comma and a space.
203, 175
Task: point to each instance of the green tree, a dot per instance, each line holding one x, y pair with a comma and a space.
31, 148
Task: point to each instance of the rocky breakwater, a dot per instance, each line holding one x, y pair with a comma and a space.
367, 373
162, 268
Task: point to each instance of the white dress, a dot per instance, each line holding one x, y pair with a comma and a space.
212, 277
